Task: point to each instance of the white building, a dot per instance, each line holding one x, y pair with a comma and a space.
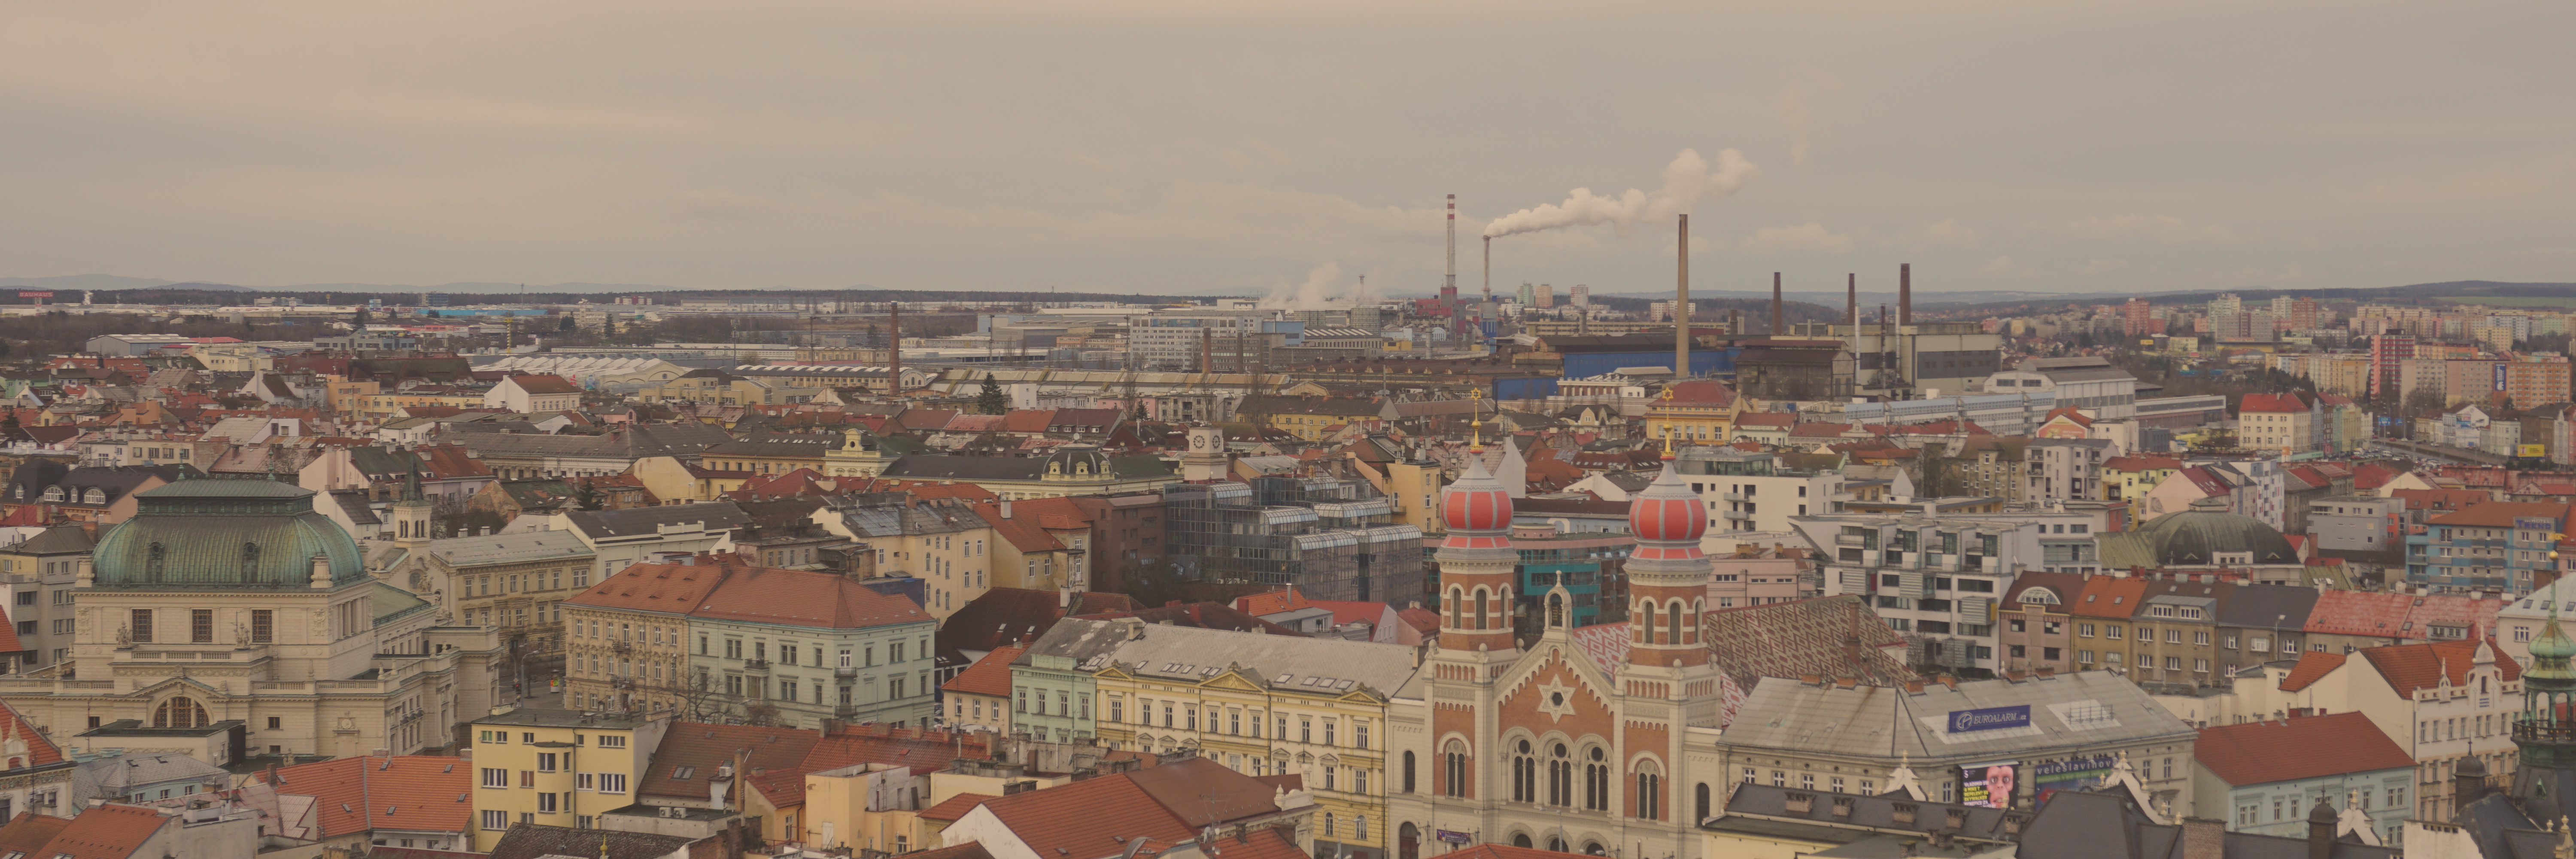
2089, 383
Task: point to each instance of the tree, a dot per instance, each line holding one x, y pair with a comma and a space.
2423, 399
1153, 583
360, 321
990, 401
589, 498
565, 324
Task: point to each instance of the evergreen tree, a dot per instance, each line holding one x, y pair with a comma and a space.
991, 401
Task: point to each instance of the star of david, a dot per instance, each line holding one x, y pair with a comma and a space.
1556, 700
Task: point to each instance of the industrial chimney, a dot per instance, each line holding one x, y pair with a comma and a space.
1905, 293
894, 354
1449, 284
1779, 317
1681, 304
1851, 302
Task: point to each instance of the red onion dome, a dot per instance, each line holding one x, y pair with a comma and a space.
1477, 502
1668, 511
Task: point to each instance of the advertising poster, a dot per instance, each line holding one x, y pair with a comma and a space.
1986, 785
2076, 774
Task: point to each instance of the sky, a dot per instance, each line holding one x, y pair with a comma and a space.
1233, 147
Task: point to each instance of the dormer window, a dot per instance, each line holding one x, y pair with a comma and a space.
95, 496
53, 493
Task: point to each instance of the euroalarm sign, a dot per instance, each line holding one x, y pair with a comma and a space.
1990, 719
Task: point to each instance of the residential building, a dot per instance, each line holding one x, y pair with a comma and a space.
1193, 805
333, 661
561, 768
2066, 469
797, 647
981, 696
513, 581
1753, 493
1328, 537
1072, 470
1260, 705
617, 538
372, 800
772, 453
2258, 775
2495, 546
2038, 634
1310, 418
2286, 424
1696, 412
2357, 523
116, 831
533, 394
40, 570
1937, 578
944, 544
2130, 477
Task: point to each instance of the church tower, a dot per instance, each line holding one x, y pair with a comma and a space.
411, 512
1477, 568
2545, 731
1668, 575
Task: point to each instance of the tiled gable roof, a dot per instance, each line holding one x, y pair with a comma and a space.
410, 792
1270, 602
672, 588
989, 676
806, 598
2501, 514
691, 752
2264, 752
105, 832
2409, 667
2313, 665
956, 806
2108, 597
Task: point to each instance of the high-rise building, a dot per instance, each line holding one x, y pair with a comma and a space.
2388, 354
1529, 295
1581, 296
1546, 296
2140, 322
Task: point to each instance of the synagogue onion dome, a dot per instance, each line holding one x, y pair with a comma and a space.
1668, 518
1477, 510
2208, 536
247, 534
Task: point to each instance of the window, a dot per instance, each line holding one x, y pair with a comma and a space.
263, 626
1359, 735
141, 625
273, 723
201, 625
496, 777
612, 782
496, 820
612, 741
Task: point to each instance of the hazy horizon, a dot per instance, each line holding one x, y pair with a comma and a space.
1165, 148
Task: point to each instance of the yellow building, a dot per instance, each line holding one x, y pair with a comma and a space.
383, 404
348, 396
556, 767
717, 387
1262, 705
1696, 411
1309, 417
2128, 478
840, 810
942, 542
772, 453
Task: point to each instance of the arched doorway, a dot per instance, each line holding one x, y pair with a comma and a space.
1408, 841
1594, 848
1556, 844
1521, 840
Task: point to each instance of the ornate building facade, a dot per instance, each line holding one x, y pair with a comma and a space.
1541, 743
227, 618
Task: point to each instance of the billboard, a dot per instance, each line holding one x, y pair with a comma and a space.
2073, 774
2499, 377
1990, 719
2531, 451
35, 295
1986, 785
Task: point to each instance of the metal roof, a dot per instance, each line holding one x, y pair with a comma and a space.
509, 548
1190, 654
2085, 709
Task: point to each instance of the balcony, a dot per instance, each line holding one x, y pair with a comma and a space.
1731, 496
846, 672
2544, 732
1847, 539
755, 665
1739, 515
846, 711
622, 648
621, 682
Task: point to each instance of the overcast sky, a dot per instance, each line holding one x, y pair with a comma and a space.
1212, 146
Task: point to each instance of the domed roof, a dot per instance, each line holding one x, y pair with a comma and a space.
1477, 502
209, 533
1668, 510
2198, 536
1077, 461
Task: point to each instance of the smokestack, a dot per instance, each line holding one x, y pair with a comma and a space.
894, 354
1851, 302
1489, 268
1449, 284
1207, 350
1905, 293
1779, 317
1681, 307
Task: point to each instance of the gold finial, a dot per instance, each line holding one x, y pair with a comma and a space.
1668, 441
1476, 407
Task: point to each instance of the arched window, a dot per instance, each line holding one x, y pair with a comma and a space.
1480, 608
1457, 603
94, 496
1555, 611
179, 713
1650, 791
1524, 774
1699, 801
1521, 840
1556, 844
1675, 627
1596, 780
153, 558
1453, 766
1408, 772
1560, 776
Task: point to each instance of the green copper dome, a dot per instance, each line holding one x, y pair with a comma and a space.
234, 534
2198, 536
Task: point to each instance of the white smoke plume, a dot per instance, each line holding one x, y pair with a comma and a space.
1322, 290
1687, 181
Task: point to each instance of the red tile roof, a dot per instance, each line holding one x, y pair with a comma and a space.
1271, 602
672, 588
2409, 667
1094, 817
2301, 748
1028, 420
807, 598
956, 806
30, 832
2271, 403
536, 384
2371, 476
1707, 392
2397, 615
2438, 499
989, 676
105, 832
1025, 532
1421, 619
2070, 413
690, 753
2108, 597
2313, 666
411, 792
2141, 463
1819, 429
2501, 514
1766, 419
